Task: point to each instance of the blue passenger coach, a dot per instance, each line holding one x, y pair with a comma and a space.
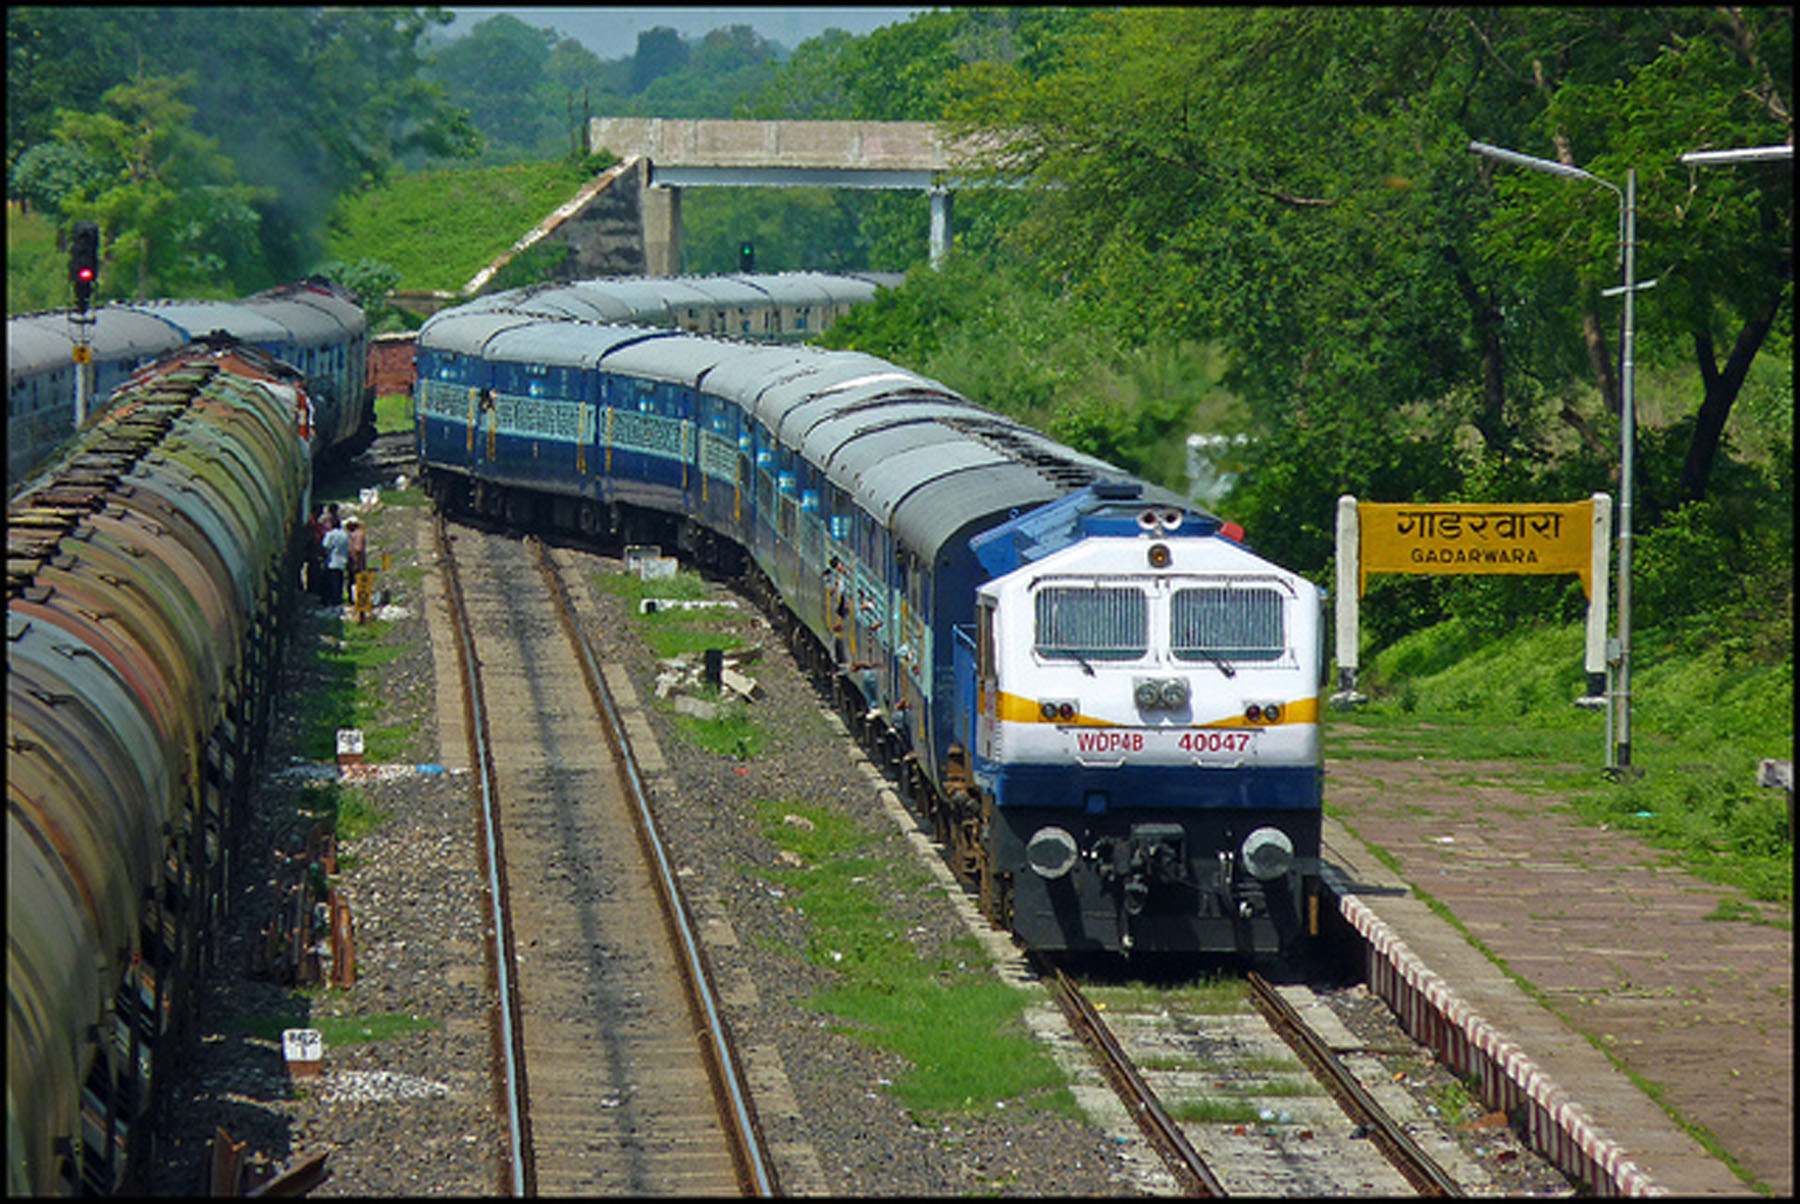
1106, 705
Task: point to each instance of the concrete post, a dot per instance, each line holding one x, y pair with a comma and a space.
662, 230
941, 204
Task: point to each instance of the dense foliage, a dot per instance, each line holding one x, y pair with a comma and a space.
1263, 222
211, 144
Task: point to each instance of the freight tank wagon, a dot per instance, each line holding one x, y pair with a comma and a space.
147, 572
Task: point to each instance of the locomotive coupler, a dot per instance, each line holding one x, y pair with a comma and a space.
1153, 855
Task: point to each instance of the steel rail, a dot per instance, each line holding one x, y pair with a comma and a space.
1425, 1175
756, 1171
1159, 1128
522, 1169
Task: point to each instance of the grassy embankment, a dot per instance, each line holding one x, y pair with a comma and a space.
438, 228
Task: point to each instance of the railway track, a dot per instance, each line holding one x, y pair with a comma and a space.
1214, 1095
617, 1074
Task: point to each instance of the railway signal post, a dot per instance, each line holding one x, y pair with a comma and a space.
84, 271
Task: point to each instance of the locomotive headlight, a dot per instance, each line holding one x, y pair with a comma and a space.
1159, 556
1253, 712
1052, 852
1271, 713
1148, 692
1175, 693
1269, 853
1047, 709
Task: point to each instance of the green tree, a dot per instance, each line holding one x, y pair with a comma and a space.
1719, 242
174, 218
1334, 246
308, 103
573, 79
659, 51
494, 71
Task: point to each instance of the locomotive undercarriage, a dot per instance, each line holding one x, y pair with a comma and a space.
1157, 882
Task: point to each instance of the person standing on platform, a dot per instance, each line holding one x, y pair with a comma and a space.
357, 552
337, 559
315, 554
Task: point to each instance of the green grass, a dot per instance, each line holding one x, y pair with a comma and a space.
1205, 1110
1701, 721
733, 734
393, 414
1219, 996
37, 274
337, 1030
348, 662
961, 1030
439, 228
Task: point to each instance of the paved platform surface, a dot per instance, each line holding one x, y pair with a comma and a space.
1616, 943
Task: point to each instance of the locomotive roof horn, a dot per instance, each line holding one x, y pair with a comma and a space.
1168, 518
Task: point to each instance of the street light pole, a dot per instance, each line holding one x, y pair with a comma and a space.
1627, 454
1618, 750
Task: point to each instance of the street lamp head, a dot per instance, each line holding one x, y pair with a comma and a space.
1747, 154
1535, 164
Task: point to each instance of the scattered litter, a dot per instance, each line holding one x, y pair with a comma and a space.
325, 773
650, 606
377, 1086
687, 673
1443, 840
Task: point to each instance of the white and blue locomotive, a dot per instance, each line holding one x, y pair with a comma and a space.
1106, 705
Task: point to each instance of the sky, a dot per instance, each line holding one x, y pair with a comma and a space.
611, 33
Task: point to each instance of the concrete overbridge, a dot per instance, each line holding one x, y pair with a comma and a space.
775, 154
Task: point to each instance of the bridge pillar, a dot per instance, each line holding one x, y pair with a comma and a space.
662, 230
941, 204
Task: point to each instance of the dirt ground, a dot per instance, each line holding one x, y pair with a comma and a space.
1622, 943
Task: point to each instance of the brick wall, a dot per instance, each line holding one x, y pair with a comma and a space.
391, 364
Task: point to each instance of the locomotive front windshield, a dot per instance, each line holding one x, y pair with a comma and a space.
1235, 621
1236, 624
1105, 623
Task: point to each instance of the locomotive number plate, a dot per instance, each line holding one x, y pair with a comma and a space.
1094, 745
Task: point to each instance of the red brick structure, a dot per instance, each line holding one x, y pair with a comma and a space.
391, 363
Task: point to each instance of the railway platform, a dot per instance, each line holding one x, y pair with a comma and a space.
1561, 956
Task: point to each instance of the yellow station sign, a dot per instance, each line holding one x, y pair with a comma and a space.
1474, 537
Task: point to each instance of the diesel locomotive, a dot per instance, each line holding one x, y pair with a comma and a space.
1102, 700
